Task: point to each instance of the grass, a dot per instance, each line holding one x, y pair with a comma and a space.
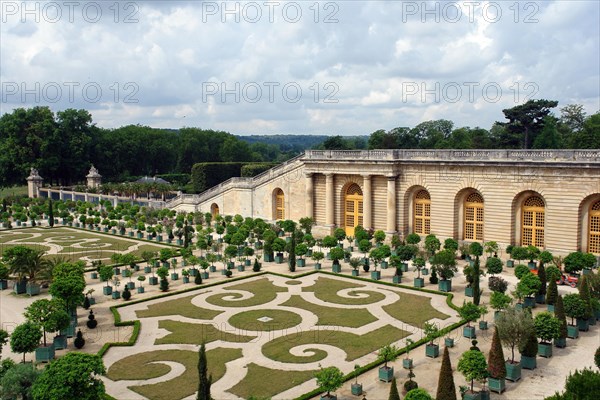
353, 318
264, 292
293, 282
253, 383
326, 289
139, 367
13, 191
185, 332
96, 246
413, 309
182, 306
354, 345
281, 319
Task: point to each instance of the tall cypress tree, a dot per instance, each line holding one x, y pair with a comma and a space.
446, 389
584, 293
204, 381
476, 277
50, 214
543, 279
559, 312
552, 293
394, 395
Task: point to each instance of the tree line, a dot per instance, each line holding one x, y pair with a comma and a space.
531, 125
63, 145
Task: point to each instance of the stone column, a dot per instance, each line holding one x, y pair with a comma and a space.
329, 200
391, 204
367, 202
34, 183
308, 179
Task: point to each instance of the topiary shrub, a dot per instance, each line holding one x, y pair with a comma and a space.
79, 341
256, 266
126, 293
198, 279
91, 322
164, 285
86, 303
521, 270
418, 394
410, 385
228, 273
597, 357
497, 284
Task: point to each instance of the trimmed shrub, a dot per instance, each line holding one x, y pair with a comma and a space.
446, 389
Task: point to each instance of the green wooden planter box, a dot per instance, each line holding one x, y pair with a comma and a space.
268, 258
384, 265
318, 266
44, 354
279, 259
20, 287
375, 275
193, 272
185, 279
529, 302
425, 271
469, 291
472, 396
140, 289
354, 272
497, 385
561, 343
94, 275
386, 374
241, 268
572, 331
510, 263
483, 325
116, 294
336, 268
107, 290
3, 284
583, 325
356, 389
204, 275
212, 268
60, 342
174, 276
545, 350
404, 267
117, 271
407, 363
449, 342
469, 332
32, 289
528, 362
550, 307
153, 280
513, 371
432, 350
147, 270
540, 299
484, 394
330, 397
445, 285
532, 265
592, 320
418, 282
397, 279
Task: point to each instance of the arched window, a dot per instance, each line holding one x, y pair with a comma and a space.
279, 204
473, 217
422, 213
214, 210
594, 228
353, 208
532, 222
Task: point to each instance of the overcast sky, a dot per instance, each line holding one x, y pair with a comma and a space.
306, 67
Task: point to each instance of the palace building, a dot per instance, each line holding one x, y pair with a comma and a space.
546, 198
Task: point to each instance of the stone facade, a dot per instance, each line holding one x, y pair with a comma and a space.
562, 187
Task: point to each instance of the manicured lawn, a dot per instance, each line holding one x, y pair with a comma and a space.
185, 332
253, 383
262, 289
413, 309
140, 367
326, 289
13, 191
279, 319
331, 315
75, 244
182, 306
354, 345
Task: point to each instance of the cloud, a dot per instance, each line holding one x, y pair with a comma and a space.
348, 67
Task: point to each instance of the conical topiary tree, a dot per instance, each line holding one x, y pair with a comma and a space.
552, 293
394, 395
446, 389
559, 312
496, 363
584, 294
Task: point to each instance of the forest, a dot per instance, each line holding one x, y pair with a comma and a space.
63, 145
